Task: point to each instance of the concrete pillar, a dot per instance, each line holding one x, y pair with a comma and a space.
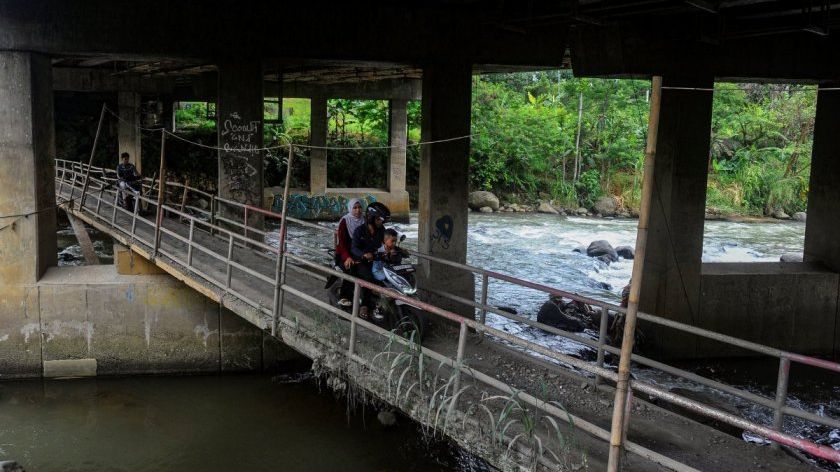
168, 112
240, 126
671, 281
27, 173
318, 122
444, 180
129, 135
398, 136
821, 241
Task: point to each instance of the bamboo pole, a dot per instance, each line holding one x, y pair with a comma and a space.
90, 160
282, 243
619, 418
184, 196
161, 191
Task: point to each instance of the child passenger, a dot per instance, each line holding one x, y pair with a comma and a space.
389, 253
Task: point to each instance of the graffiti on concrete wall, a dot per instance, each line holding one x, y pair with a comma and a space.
317, 207
442, 232
240, 142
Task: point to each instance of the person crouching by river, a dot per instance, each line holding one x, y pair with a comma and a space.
343, 241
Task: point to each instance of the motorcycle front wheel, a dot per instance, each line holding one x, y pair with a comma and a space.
408, 322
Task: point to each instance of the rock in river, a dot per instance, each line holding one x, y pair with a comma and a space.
483, 198
556, 313
601, 248
606, 206
626, 252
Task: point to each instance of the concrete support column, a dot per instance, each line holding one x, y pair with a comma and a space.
27, 173
671, 281
444, 180
821, 241
240, 128
318, 122
129, 135
168, 112
397, 136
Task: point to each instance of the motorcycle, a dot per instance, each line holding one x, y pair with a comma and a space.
129, 193
399, 316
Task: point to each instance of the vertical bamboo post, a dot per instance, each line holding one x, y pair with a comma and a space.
90, 160
161, 191
619, 411
281, 245
184, 196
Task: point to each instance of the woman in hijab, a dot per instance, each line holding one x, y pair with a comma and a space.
343, 240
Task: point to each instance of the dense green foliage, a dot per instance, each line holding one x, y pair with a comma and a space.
525, 143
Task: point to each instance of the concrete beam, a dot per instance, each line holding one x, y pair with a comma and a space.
78, 79
689, 48
444, 180
414, 33
400, 89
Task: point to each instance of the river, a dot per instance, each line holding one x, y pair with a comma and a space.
531, 246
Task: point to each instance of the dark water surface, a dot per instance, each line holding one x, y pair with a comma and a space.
231, 423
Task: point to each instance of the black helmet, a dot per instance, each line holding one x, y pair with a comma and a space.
379, 210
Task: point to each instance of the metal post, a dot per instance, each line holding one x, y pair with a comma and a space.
229, 257
134, 216
602, 339
212, 215
245, 226
99, 199
485, 282
161, 191
190, 243
275, 312
357, 293
623, 380
114, 213
90, 160
459, 357
781, 395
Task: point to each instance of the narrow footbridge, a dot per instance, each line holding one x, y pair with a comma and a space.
499, 394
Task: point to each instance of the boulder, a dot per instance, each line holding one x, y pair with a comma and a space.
483, 198
580, 249
581, 211
555, 314
625, 252
780, 215
545, 207
601, 248
10, 466
605, 258
202, 203
606, 206
485, 210
791, 257
800, 216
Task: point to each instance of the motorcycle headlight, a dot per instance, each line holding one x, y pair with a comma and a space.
400, 283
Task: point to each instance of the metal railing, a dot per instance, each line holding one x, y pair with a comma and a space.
225, 231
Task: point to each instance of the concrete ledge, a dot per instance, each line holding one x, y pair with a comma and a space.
70, 368
129, 263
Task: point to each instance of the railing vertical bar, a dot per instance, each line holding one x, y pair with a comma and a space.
459, 357
114, 208
99, 200
602, 339
212, 215
781, 395
357, 293
282, 298
229, 257
190, 243
485, 283
275, 310
161, 192
134, 216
